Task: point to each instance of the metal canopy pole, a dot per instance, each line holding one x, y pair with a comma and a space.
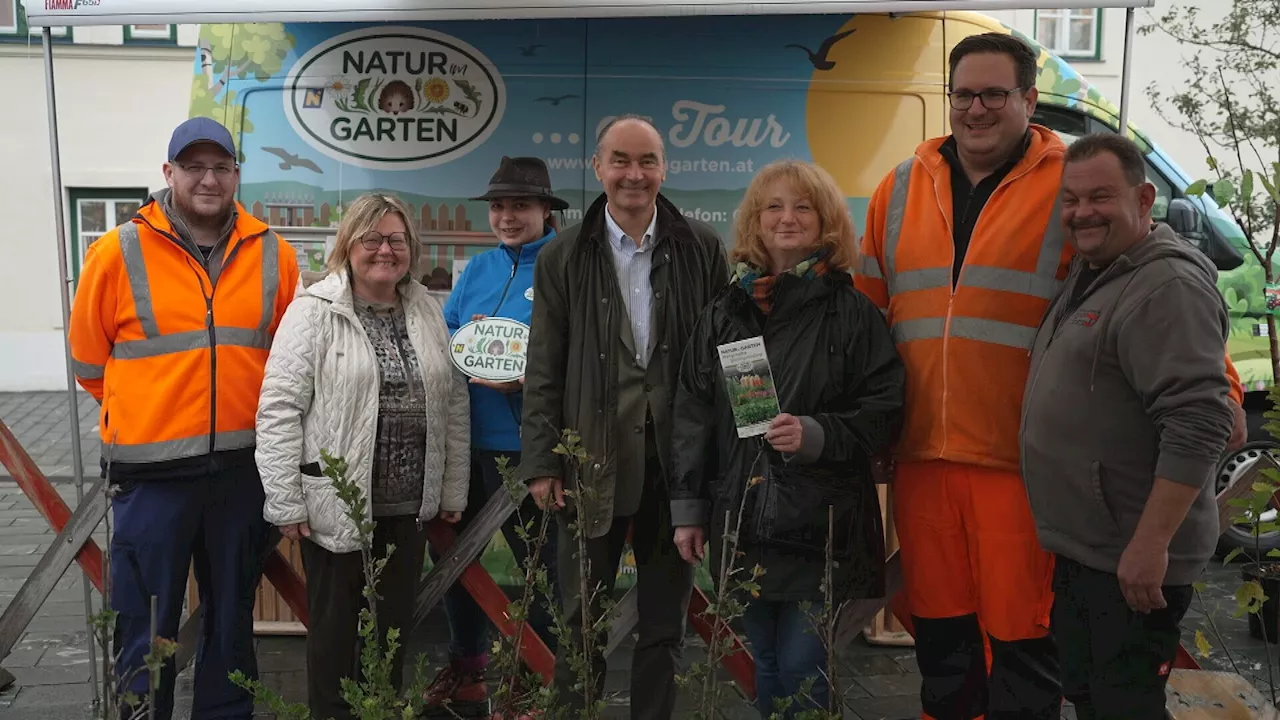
1127, 72
73, 402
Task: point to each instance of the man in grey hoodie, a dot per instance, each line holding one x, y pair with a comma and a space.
1125, 415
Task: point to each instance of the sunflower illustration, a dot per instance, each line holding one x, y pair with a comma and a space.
339, 88
436, 90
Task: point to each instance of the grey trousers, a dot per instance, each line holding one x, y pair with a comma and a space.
664, 583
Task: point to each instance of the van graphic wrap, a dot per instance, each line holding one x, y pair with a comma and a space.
325, 112
394, 98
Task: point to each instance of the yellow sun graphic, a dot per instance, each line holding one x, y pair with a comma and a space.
436, 91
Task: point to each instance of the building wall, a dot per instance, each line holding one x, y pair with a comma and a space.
1156, 58
117, 105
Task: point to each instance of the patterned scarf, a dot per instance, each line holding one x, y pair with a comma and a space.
759, 284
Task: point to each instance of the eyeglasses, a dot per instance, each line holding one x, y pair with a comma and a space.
221, 172
373, 240
991, 99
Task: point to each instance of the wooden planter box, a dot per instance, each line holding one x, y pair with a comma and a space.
885, 628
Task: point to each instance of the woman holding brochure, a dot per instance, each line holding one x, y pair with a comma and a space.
790, 386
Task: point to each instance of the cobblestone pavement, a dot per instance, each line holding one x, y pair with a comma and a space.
51, 660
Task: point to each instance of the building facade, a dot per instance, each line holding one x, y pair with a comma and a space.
1093, 42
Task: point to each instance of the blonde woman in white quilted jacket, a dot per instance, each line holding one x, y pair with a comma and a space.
360, 368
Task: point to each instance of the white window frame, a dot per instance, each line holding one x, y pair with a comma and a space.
136, 33
83, 238
1061, 44
11, 29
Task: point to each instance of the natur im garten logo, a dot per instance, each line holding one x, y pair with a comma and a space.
492, 348
394, 98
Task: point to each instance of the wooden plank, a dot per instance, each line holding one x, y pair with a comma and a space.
46, 500
278, 627
465, 549
738, 661
494, 602
857, 613
51, 567
626, 615
1204, 695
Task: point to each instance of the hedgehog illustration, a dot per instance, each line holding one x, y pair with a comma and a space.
396, 98
496, 348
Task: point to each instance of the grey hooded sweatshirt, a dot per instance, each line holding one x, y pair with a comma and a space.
1127, 384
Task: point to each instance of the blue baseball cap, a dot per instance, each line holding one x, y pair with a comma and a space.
200, 130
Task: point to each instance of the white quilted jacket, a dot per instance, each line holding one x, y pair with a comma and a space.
321, 391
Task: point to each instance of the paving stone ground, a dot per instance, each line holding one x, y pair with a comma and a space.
51, 660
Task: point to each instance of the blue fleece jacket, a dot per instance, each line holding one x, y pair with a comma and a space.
496, 283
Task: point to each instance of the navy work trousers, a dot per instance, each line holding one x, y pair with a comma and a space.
160, 526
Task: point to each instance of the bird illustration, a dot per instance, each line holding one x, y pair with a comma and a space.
529, 50
819, 59
556, 100
292, 161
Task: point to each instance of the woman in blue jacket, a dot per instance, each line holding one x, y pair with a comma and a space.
497, 283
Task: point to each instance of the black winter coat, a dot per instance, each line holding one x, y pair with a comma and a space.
833, 360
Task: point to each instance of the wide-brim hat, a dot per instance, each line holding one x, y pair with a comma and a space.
522, 177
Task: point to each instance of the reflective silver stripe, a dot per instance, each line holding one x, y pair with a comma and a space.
1015, 281
163, 345
993, 331
243, 337
1051, 248
922, 279
85, 371
270, 279
871, 268
893, 218
190, 340
136, 269
921, 329
184, 448
234, 440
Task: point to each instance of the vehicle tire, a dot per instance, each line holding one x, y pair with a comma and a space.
1231, 466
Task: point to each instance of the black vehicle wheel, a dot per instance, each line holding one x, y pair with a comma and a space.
1230, 467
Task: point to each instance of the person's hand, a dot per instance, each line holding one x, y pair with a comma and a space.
785, 433
450, 516
1239, 428
512, 386
547, 492
690, 540
478, 316
1142, 569
296, 531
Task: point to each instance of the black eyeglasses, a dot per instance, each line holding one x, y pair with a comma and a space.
373, 240
222, 172
991, 99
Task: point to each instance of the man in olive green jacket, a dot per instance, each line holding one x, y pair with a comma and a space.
615, 299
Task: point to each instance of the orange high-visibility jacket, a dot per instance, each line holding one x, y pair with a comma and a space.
967, 351
175, 356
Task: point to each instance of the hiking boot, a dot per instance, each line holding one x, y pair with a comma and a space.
456, 686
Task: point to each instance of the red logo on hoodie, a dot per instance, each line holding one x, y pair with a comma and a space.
1164, 669
1086, 317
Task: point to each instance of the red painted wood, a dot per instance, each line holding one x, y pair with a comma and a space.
288, 584
494, 602
739, 663
46, 499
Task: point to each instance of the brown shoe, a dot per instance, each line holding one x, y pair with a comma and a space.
454, 686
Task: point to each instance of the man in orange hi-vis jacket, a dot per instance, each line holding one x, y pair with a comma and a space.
964, 251
172, 322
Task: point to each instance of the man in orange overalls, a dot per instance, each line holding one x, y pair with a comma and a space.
964, 251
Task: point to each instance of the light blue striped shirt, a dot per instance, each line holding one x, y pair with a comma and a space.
633, 264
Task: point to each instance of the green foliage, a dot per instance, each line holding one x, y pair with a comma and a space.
372, 696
